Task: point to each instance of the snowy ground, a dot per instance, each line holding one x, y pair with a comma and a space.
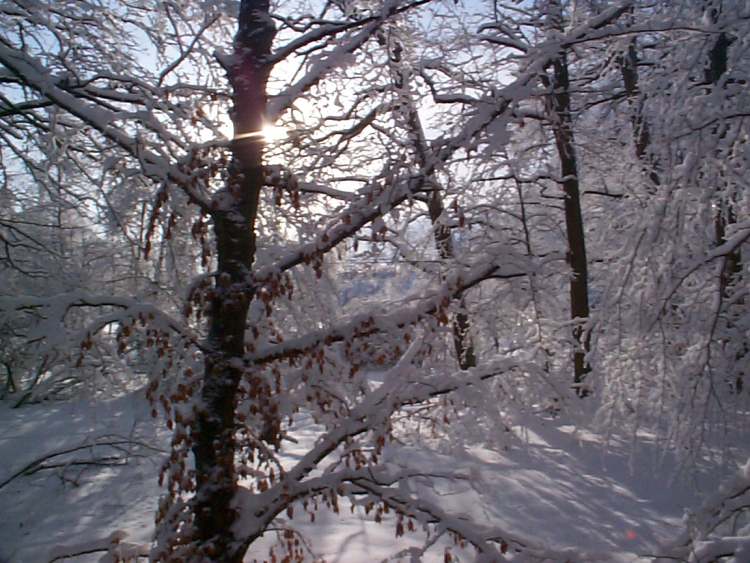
561, 488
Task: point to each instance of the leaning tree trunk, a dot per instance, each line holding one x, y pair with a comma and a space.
441, 233
234, 212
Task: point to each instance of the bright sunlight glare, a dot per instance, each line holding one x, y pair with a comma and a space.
269, 134
273, 133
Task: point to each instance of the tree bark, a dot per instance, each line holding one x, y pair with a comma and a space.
559, 111
234, 212
579, 288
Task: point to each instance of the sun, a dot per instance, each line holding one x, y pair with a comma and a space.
271, 133
268, 134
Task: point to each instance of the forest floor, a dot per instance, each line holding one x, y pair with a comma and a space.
563, 486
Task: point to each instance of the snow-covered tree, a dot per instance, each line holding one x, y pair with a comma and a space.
354, 140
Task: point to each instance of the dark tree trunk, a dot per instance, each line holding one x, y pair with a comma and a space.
234, 213
562, 126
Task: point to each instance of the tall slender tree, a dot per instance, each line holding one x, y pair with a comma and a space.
407, 112
560, 114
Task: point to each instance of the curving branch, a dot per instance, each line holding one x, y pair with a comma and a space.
156, 167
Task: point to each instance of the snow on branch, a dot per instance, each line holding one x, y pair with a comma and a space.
720, 529
56, 459
359, 213
52, 311
508, 37
490, 543
596, 23
494, 105
401, 188
401, 388
154, 166
741, 233
403, 385
501, 266
327, 29
325, 62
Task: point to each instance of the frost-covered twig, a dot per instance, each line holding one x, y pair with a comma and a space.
491, 543
502, 267
402, 386
336, 56
155, 166
401, 188
53, 311
39, 463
